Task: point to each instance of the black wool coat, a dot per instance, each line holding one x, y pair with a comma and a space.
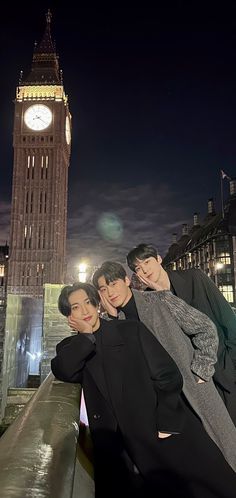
132, 390
198, 290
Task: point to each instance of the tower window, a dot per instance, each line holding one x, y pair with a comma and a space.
44, 237
31, 202
46, 166
40, 202
42, 161
39, 236
28, 166
30, 236
25, 236
27, 202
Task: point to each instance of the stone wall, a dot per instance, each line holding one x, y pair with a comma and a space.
55, 326
21, 344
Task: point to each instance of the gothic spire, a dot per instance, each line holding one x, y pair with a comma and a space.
45, 67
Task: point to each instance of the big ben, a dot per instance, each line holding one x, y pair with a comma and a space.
41, 142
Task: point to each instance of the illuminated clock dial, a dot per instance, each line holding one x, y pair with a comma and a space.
38, 117
67, 131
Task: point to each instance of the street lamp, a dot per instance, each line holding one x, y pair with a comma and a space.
218, 277
83, 272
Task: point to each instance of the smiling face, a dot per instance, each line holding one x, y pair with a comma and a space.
117, 293
149, 268
83, 309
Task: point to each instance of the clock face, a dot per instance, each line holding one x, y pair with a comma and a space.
67, 131
38, 117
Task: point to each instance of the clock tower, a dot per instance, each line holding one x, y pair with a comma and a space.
41, 142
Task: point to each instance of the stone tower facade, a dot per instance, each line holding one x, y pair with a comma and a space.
42, 142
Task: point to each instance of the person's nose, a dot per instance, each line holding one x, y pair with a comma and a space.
84, 310
110, 291
144, 269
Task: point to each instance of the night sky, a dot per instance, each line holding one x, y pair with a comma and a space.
152, 93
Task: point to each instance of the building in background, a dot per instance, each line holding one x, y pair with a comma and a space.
41, 141
4, 252
42, 145
210, 246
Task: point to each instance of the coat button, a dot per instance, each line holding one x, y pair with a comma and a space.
96, 416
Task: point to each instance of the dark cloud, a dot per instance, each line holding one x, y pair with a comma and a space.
152, 96
144, 212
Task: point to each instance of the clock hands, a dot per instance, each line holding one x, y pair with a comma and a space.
39, 117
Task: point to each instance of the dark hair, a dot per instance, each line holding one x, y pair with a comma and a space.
110, 271
142, 251
63, 300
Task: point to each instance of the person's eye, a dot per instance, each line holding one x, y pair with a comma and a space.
88, 301
137, 268
102, 289
74, 307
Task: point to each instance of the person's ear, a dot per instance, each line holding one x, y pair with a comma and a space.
159, 259
127, 281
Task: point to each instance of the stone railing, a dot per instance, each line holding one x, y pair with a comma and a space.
38, 451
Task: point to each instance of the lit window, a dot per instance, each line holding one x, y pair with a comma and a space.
225, 258
1, 270
227, 291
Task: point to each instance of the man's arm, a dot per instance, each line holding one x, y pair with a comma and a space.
202, 331
71, 357
167, 382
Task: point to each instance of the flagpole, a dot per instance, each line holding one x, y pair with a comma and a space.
222, 195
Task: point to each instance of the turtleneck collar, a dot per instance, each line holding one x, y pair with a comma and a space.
130, 309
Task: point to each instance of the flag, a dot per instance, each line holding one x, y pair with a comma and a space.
223, 175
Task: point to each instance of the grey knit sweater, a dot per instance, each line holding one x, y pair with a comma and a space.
199, 328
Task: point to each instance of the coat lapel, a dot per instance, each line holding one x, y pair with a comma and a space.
155, 316
145, 311
180, 286
95, 369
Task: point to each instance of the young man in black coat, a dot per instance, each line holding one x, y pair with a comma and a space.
133, 395
198, 290
117, 406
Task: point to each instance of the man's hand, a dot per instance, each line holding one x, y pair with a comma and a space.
80, 325
111, 310
163, 435
149, 283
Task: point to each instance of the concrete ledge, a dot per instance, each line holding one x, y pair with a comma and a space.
38, 451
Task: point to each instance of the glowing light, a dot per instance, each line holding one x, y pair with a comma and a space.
110, 227
83, 267
219, 266
83, 272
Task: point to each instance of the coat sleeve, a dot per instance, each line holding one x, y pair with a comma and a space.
202, 330
71, 357
167, 383
219, 310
